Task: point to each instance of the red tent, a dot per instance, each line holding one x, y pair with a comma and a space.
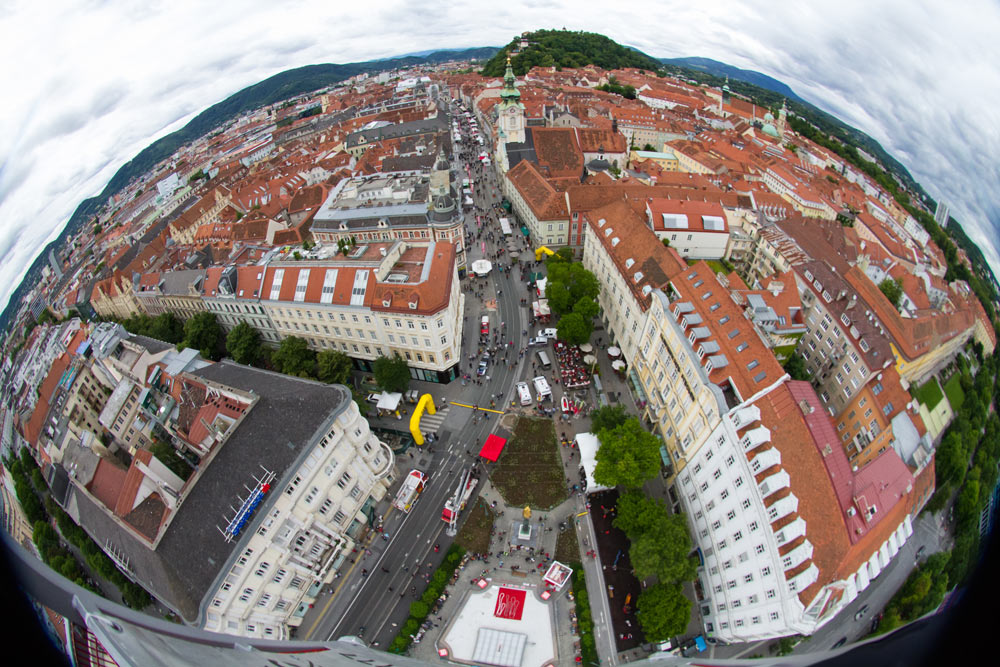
492, 447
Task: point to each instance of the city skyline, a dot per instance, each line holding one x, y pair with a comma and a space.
77, 113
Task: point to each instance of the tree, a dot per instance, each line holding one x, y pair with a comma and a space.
607, 417
638, 513
795, 366
663, 611
568, 282
649, 148
893, 290
628, 455
333, 367
392, 373
293, 357
573, 328
167, 327
565, 253
587, 308
170, 458
663, 551
243, 344
203, 333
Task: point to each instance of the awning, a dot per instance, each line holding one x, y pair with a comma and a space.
389, 401
492, 447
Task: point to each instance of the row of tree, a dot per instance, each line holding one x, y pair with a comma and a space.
660, 543
572, 293
50, 543
243, 344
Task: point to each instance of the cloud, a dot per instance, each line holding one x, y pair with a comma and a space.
98, 82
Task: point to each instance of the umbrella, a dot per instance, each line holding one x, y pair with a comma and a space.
586, 347
613, 351
617, 364
590, 359
481, 267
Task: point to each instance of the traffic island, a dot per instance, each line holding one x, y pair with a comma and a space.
529, 472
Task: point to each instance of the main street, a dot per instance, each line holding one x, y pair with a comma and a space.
376, 590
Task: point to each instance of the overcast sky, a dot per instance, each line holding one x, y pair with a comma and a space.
88, 86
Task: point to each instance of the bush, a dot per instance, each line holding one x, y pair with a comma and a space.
584, 618
421, 608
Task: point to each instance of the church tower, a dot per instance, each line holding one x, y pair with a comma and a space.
510, 111
781, 120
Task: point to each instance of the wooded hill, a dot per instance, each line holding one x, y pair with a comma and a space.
566, 48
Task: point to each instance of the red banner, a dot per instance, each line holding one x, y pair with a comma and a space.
510, 603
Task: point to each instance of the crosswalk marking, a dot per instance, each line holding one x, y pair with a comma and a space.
430, 423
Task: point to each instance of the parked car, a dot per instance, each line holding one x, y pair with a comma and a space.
549, 333
372, 398
840, 642
483, 365
861, 612
920, 552
484, 326
538, 341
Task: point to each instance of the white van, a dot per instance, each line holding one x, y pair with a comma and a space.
542, 388
543, 359
523, 393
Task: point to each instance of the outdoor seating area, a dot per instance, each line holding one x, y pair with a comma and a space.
573, 371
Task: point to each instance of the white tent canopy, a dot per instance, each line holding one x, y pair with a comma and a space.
389, 401
481, 267
586, 347
588, 444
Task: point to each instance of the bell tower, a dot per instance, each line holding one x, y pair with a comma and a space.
510, 111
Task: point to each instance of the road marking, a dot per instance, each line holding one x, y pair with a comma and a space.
584, 513
463, 405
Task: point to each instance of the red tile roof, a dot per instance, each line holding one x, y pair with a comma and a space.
108, 482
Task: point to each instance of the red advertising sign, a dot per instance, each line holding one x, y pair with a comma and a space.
510, 603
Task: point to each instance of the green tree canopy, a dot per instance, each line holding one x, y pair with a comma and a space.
893, 291
203, 333
293, 357
663, 611
333, 367
392, 373
628, 455
795, 366
586, 308
638, 513
573, 328
607, 417
166, 327
568, 282
243, 343
664, 551
170, 458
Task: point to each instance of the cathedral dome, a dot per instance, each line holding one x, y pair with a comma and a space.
769, 129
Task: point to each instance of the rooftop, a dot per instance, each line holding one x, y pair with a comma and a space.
192, 551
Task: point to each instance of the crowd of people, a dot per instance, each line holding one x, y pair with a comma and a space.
573, 373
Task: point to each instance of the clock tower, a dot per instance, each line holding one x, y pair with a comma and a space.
510, 111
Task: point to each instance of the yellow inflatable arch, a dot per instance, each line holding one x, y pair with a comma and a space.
426, 402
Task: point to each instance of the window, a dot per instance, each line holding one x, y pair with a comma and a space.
731, 584
765, 571
245, 595
279, 576
774, 616
747, 578
725, 494
717, 474
746, 503
716, 525
737, 536
730, 461
262, 569
739, 481
722, 545
731, 514
704, 486
736, 605
770, 594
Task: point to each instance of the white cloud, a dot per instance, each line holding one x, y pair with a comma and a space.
96, 83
